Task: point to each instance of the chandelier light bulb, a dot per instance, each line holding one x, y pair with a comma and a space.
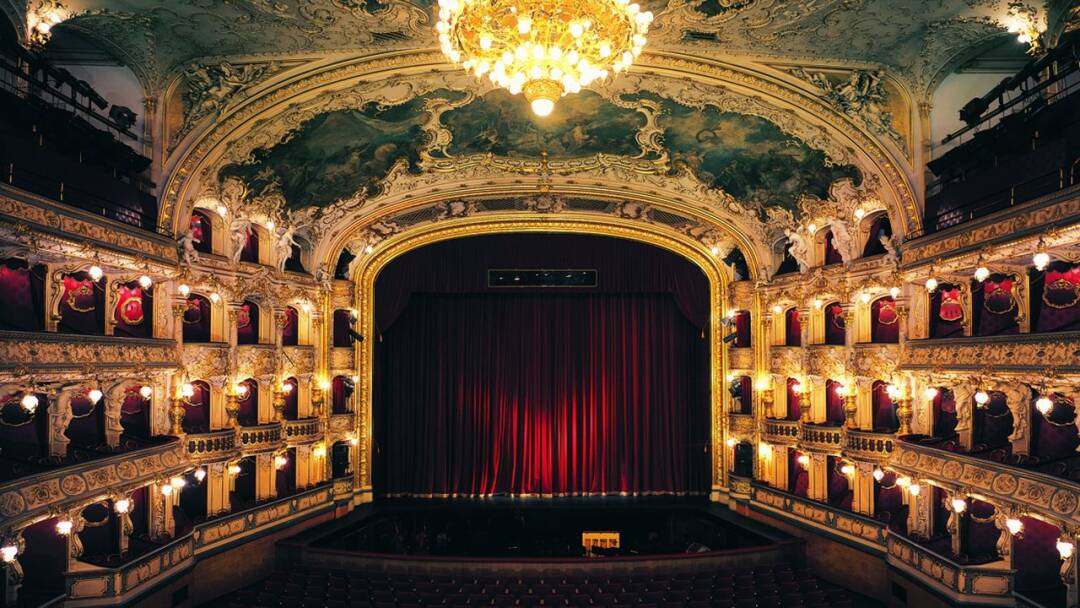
96, 273
865, 297
841, 390
959, 505
200, 475
184, 289
812, 228
222, 210
762, 383
64, 526
894, 292
122, 506
146, 392
931, 284
241, 390
878, 475
982, 273
95, 395
29, 402
817, 303
777, 309
930, 393
797, 387
1014, 526
1041, 260
270, 225
982, 397
1064, 547
10, 552
1044, 404
354, 440
145, 281
914, 489
803, 460
286, 387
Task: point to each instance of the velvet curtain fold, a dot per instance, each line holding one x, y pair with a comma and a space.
542, 394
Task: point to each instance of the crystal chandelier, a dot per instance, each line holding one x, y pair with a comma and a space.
543, 48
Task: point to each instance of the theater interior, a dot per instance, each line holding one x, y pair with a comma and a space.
559, 303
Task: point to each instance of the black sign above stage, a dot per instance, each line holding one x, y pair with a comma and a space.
541, 278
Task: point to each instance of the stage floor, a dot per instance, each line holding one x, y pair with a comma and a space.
541, 528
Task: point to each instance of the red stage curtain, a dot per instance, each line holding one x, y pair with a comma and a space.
946, 312
203, 231
197, 319
82, 305
993, 306
835, 328
134, 314
794, 402
832, 254
197, 409
23, 306
247, 324
542, 394
1055, 298
290, 329
884, 410
834, 404
792, 328
884, 321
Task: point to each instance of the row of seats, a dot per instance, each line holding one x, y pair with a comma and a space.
767, 586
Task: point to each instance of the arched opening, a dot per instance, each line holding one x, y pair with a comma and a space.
340, 463
250, 250
341, 394
290, 327
134, 313
196, 319
794, 398
192, 507
832, 254
1038, 563
1054, 434
944, 411
292, 399
528, 360
792, 327
744, 460
86, 430
242, 494
44, 559
343, 321
247, 323
885, 419
786, 262
978, 533
879, 229
743, 329
285, 472
82, 304
889, 504
840, 494
295, 261
202, 231
135, 416
835, 324
798, 472
197, 408
834, 404
23, 306
884, 321
248, 402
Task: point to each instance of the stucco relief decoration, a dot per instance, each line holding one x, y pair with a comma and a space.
210, 89
862, 96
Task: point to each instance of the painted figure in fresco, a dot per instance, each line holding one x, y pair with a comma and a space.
188, 254
798, 249
241, 228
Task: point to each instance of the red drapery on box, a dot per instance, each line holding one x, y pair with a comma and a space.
1055, 298
884, 410
196, 319
23, 305
290, 329
792, 328
247, 324
834, 404
832, 254
134, 313
946, 312
994, 309
794, 401
835, 324
82, 305
197, 408
543, 394
742, 329
884, 321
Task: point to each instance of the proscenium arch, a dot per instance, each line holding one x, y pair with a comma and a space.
370, 267
191, 166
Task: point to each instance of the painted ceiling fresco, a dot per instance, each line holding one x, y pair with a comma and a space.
343, 153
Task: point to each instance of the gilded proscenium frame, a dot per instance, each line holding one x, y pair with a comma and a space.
519, 222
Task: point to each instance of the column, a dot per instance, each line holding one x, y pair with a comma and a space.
265, 477
851, 328
862, 486
219, 416
780, 468
54, 290
59, 417
122, 506
1018, 397
952, 526
768, 403
963, 394
218, 485
303, 466
818, 473
813, 396
163, 497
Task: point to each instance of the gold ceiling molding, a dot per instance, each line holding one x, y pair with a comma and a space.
193, 165
365, 273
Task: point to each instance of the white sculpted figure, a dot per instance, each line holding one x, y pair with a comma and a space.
241, 228
188, 254
798, 249
284, 246
892, 253
842, 241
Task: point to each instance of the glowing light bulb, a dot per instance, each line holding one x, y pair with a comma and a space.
64, 526
184, 289
777, 309
241, 389
324, 385
914, 489
848, 469
215, 297
1044, 404
812, 228
145, 281
903, 482
122, 506
1041, 260
29, 402
234, 469
803, 460
1064, 547
177, 482
764, 450
146, 392
931, 284
355, 379
9, 553
95, 273
841, 390
187, 390
878, 475
1014, 526
731, 442
94, 395
860, 213
930, 393
982, 397
542, 107
280, 462
222, 210
894, 292
762, 383
959, 505
982, 273
270, 225
166, 490
319, 451
797, 387
354, 440
865, 297
200, 475
817, 303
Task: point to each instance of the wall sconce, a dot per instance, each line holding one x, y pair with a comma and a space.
64, 527
1041, 260
319, 451
187, 391
9, 553
878, 475
1044, 404
914, 489
241, 390
893, 391
1064, 547
166, 490
146, 392
903, 482
817, 303
959, 505
982, 397
145, 281
865, 297
1014, 526
777, 309
222, 210
931, 284
324, 385
731, 442
304, 306
280, 462
842, 390
764, 450
803, 460
797, 387
94, 395
177, 482
286, 387
894, 292
982, 273
270, 225
200, 475
762, 383
354, 440
215, 297
930, 393
184, 289
95, 273
811, 228
847, 469
860, 213
29, 402
122, 506
234, 469
355, 379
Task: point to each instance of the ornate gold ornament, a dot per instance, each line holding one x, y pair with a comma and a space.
543, 48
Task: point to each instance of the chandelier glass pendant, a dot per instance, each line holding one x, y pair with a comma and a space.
542, 48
